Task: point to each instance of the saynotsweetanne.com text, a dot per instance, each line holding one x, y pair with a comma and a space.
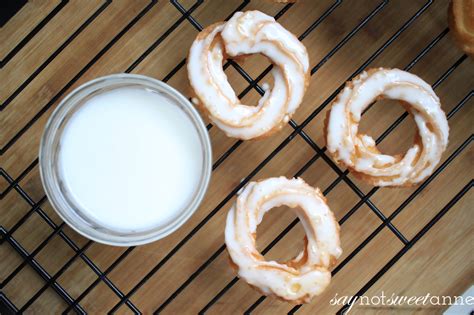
399, 300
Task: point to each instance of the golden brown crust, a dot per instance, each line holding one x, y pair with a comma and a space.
232, 264
204, 110
461, 24
364, 177
361, 176
304, 299
300, 260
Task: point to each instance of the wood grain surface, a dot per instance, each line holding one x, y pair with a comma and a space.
409, 241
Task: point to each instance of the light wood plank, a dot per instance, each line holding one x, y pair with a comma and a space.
43, 45
420, 271
22, 23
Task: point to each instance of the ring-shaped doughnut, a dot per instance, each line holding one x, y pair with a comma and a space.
461, 24
359, 153
299, 279
252, 32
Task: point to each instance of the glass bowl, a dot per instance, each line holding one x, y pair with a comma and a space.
61, 199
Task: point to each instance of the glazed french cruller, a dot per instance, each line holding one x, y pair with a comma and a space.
461, 24
303, 277
253, 32
359, 153
246, 33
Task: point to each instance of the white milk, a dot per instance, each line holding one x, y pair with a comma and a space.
131, 159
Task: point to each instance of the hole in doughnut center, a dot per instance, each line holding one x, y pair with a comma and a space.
274, 222
253, 65
379, 117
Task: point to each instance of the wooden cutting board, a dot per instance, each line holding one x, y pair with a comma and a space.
409, 241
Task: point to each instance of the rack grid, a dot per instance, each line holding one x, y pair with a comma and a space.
298, 131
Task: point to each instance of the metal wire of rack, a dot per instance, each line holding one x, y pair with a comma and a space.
74, 303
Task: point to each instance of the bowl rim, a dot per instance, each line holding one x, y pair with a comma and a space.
52, 133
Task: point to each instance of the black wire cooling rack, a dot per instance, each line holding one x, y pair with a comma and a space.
74, 303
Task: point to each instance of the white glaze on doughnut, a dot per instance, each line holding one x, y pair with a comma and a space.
252, 32
359, 152
307, 274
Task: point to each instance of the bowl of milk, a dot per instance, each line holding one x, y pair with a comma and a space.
125, 159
